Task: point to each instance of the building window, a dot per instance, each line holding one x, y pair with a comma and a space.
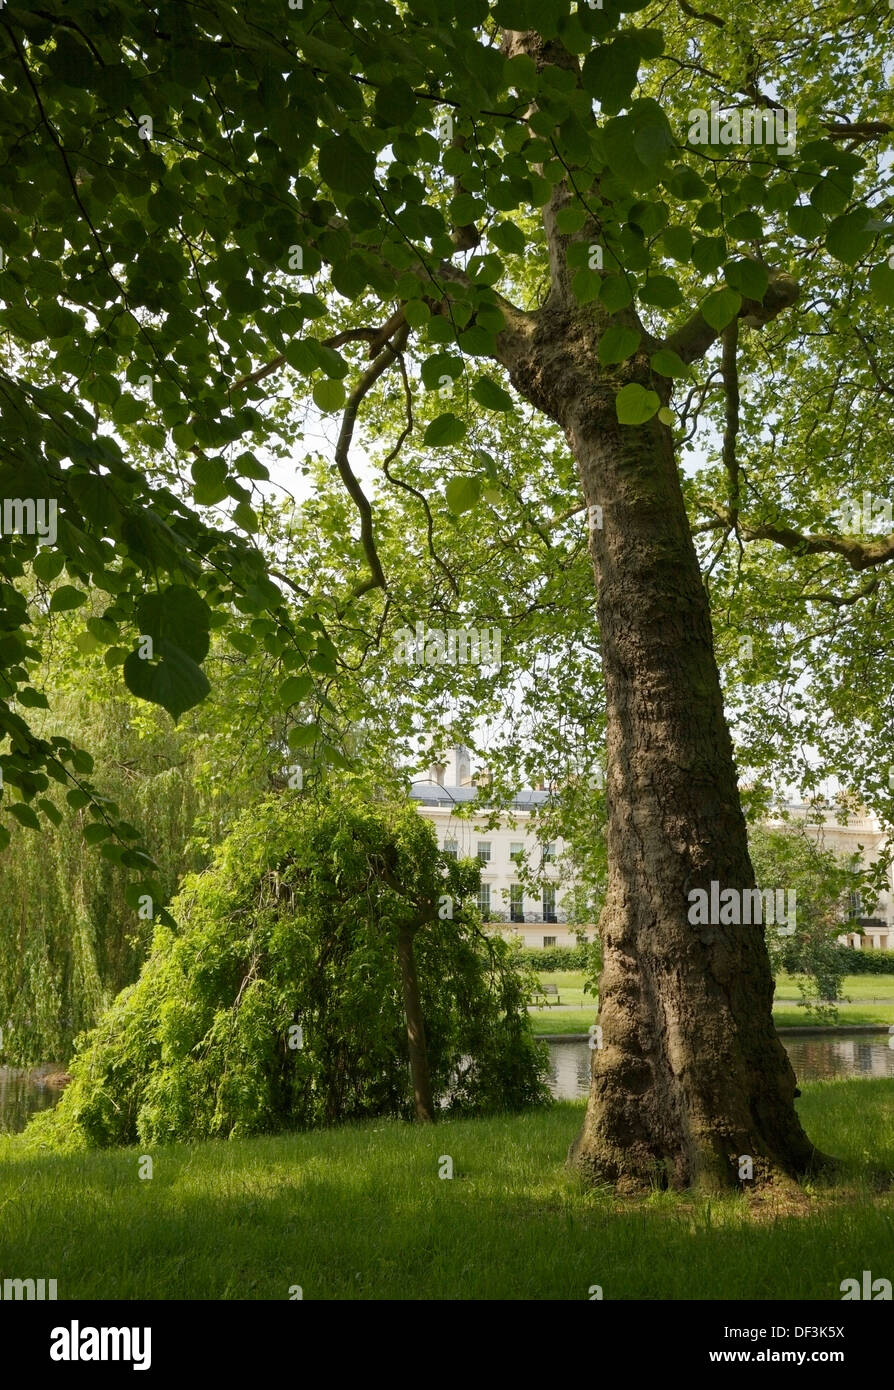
484, 851
516, 851
451, 849
516, 903
483, 900
549, 851
854, 906
549, 905
549, 941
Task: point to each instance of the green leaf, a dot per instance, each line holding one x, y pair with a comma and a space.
745, 226
662, 291
506, 236
444, 429
849, 238
345, 165
610, 73
47, 564
329, 394
31, 698
96, 832
617, 344
51, 812
881, 284
720, 308
462, 494
634, 404
210, 481
245, 516
24, 815
176, 617
127, 410
176, 683
666, 362
465, 209
294, 689
86, 642
806, 222
491, 395
707, 253
749, 277
301, 735
586, 286
615, 292
677, 242
65, 598
442, 364
570, 219
666, 416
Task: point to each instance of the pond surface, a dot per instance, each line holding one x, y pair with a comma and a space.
21, 1096
814, 1059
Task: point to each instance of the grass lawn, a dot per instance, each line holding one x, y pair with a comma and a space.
786, 1011
360, 1213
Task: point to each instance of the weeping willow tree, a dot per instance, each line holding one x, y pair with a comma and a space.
72, 933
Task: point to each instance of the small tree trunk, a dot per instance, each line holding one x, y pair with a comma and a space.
425, 1111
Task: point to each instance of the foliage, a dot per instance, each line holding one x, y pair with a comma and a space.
189, 283
84, 935
865, 962
558, 957
294, 927
791, 859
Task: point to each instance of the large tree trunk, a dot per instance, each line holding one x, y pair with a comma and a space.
691, 1075
419, 1072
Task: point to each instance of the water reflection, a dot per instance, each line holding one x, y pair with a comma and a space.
814, 1059
21, 1096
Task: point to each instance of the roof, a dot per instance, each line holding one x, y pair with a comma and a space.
431, 793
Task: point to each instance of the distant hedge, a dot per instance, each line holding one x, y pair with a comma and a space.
866, 962
550, 958
558, 957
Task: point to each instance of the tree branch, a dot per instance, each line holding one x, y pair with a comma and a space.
860, 555
693, 338
388, 355
730, 367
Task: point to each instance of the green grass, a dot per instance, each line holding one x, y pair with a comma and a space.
786, 1012
360, 1213
560, 1021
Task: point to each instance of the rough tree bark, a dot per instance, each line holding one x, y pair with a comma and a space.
691, 1075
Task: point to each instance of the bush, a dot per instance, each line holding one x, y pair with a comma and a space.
558, 957
865, 962
295, 925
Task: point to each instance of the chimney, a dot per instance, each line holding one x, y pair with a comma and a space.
463, 765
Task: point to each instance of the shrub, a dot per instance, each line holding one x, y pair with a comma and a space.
295, 925
558, 957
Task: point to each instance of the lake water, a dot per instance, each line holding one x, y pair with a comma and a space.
814, 1059
22, 1096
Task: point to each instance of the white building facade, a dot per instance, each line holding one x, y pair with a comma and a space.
536, 915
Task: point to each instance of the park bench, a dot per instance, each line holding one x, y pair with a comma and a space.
550, 995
